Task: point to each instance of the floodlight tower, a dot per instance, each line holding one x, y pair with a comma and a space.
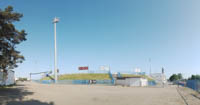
56, 20
150, 66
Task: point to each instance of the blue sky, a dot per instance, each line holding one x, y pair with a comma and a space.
121, 33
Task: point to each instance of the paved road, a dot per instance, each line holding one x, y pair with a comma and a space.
41, 94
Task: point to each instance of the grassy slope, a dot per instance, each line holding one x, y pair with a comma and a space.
92, 77
82, 77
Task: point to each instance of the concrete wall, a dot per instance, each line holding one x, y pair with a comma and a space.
144, 82
132, 82
1, 78
120, 82
8, 79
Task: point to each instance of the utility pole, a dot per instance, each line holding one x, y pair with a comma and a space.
30, 76
55, 50
150, 66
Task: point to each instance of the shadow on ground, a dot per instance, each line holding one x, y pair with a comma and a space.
16, 96
29, 102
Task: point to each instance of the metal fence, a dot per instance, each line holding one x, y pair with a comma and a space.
82, 82
151, 83
193, 84
85, 82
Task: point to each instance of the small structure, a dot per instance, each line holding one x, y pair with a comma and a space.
159, 78
7, 78
131, 81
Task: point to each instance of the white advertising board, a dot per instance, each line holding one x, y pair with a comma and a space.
105, 68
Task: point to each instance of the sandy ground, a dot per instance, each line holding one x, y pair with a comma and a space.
41, 94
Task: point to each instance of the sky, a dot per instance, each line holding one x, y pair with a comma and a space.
123, 34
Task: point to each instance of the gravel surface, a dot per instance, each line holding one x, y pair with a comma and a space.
29, 93
191, 96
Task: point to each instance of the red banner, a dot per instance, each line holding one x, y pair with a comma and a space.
83, 68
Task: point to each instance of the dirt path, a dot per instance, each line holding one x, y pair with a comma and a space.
41, 94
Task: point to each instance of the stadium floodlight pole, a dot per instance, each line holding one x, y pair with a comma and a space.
55, 51
150, 66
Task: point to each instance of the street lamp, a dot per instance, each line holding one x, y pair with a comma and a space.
55, 50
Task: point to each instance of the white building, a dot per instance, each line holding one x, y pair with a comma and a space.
7, 78
131, 81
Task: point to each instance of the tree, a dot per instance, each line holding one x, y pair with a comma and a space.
195, 77
10, 37
174, 77
180, 76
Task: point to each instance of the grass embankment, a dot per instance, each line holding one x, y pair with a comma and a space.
133, 75
81, 77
